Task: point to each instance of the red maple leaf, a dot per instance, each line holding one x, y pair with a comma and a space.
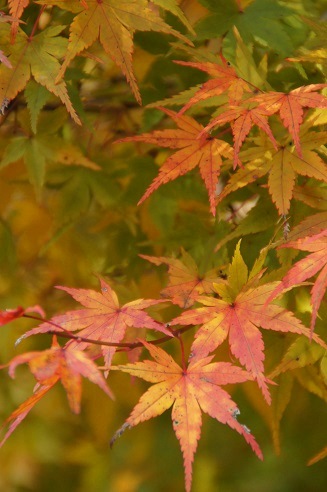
239, 313
204, 152
225, 79
185, 282
65, 364
103, 319
189, 390
10, 314
306, 268
290, 107
242, 119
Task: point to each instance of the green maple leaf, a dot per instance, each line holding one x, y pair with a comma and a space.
262, 20
35, 56
46, 146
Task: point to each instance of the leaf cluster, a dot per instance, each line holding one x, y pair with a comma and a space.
111, 111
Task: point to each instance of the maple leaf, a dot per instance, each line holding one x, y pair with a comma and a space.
239, 314
306, 268
300, 353
189, 390
290, 107
281, 165
65, 364
103, 319
225, 79
42, 147
185, 282
242, 119
20, 413
37, 56
204, 152
10, 314
16, 8
113, 22
312, 225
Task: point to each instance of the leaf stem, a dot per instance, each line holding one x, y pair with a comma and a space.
182, 350
123, 345
37, 21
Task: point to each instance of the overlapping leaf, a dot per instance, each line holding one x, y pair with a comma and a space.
16, 8
189, 391
35, 56
65, 364
282, 166
239, 313
103, 319
306, 268
242, 118
290, 107
270, 23
113, 22
225, 79
204, 152
39, 149
185, 282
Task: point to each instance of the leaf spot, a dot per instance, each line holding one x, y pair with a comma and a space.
246, 429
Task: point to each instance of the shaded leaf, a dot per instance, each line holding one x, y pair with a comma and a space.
185, 282
300, 353
113, 22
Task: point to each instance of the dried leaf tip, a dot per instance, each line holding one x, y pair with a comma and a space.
118, 433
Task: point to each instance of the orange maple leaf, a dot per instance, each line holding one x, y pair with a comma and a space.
113, 22
225, 79
204, 152
306, 268
185, 282
242, 118
290, 107
16, 8
189, 390
103, 319
239, 313
65, 364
